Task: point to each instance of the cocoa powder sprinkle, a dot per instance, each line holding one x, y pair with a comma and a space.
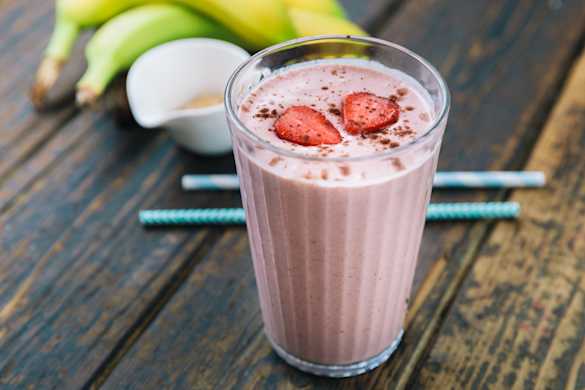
335, 111
345, 170
397, 163
403, 132
274, 161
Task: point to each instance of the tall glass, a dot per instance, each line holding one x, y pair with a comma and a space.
334, 260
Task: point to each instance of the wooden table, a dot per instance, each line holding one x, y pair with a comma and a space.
89, 298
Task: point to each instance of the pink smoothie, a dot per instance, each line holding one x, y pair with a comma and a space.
335, 230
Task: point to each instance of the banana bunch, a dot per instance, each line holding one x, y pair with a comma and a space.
128, 28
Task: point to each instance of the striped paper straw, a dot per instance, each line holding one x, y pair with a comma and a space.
210, 182
193, 217
493, 179
435, 212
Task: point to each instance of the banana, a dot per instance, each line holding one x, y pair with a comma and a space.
62, 40
329, 7
70, 17
87, 13
259, 23
121, 40
312, 23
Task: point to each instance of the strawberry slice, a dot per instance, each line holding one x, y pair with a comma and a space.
305, 126
364, 112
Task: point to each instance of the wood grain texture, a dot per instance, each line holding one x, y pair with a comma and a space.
519, 320
78, 273
218, 302
372, 14
24, 28
501, 91
504, 64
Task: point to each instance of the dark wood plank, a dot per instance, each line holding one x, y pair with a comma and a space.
21, 50
219, 297
500, 101
77, 271
504, 64
524, 301
24, 28
23, 31
371, 14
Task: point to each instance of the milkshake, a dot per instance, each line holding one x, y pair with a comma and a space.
336, 158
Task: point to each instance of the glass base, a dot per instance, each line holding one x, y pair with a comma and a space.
337, 370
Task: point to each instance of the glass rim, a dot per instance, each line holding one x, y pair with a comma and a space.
233, 117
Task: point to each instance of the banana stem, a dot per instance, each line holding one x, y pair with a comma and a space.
47, 75
60, 45
95, 80
63, 38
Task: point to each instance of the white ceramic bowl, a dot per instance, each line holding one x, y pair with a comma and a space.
167, 76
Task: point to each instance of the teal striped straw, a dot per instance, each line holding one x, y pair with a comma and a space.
479, 179
236, 216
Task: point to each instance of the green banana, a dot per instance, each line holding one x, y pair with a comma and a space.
308, 23
121, 40
62, 40
87, 13
259, 23
70, 17
329, 7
